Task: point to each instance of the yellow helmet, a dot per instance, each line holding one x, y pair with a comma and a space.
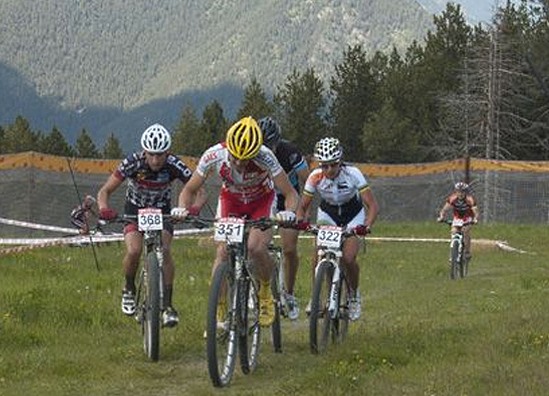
244, 139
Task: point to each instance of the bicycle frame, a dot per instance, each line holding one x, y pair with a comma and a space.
458, 265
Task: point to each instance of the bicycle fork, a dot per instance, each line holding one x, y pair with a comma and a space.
332, 258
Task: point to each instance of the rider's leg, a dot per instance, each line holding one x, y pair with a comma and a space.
291, 264
263, 265
168, 268
352, 270
130, 262
291, 258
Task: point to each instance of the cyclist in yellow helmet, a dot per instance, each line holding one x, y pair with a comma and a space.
250, 173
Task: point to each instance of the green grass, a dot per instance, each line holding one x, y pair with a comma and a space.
62, 333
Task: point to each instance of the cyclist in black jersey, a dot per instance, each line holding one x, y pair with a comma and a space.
295, 166
149, 174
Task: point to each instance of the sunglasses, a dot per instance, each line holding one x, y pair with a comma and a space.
330, 165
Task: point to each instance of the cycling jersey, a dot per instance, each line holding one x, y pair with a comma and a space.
147, 188
339, 197
292, 161
256, 182
462, 207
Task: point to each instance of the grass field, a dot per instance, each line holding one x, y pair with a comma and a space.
62, 332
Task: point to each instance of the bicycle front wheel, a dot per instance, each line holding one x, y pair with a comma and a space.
249, 331
454, 259
319, 318
151, 308
221, 327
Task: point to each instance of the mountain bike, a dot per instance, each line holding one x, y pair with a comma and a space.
150, 285
329, 316
459, 265
233, 305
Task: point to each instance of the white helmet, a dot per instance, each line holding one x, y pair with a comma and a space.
156, 139
328, 150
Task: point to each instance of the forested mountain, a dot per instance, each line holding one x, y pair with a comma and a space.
113, 67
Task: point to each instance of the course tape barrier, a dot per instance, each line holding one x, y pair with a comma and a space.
54, 163
26, 224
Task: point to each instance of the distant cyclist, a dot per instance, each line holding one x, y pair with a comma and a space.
149, 173
249, 173
345, 194
464, 207
295, 166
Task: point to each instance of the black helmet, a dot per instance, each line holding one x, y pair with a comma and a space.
271, 131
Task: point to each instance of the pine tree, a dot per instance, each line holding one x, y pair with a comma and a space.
18, 137
112, 149
354, 92
55, 144
187, 138
301, 104
85, 147
255, 102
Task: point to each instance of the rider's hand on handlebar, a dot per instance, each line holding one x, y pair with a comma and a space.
286, 216
302, 225
362, 230
440, 219
180, 213
107, 214
474, 221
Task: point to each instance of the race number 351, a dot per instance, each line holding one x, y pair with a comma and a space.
149, 219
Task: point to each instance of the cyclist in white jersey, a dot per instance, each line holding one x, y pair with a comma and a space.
249, 172
344, 193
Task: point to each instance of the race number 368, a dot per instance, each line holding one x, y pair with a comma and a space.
149, 219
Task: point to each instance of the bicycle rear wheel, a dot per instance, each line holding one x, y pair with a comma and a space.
221, 336
454, 262
319, 318
249, 331
150, 323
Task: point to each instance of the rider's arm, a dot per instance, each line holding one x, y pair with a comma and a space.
112, 183
303, 211
447, 206
193, 192
283, 184
370, 201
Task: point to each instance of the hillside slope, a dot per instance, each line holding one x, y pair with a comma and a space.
115, 57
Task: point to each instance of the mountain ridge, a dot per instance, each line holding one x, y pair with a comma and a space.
95, 64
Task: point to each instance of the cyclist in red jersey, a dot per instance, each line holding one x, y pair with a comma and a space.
249, 172
149, 173
464, 207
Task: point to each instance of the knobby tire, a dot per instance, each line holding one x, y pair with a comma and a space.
319, 320
221, 338
151, 309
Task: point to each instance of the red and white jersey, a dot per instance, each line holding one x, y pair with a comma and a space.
348, 184
256, 181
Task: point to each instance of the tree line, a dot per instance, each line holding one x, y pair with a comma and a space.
477, 91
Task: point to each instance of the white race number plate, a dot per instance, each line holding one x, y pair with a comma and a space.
229, 229
149, 219
329, 236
